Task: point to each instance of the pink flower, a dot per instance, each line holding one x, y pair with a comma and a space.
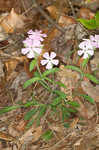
94, 41
32, 43
86, 49
49, 60
31, 52
36, 35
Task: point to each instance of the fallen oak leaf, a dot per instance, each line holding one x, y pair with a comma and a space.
6, 137
12, 21
33, 134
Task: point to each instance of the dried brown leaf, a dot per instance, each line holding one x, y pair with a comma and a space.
12, 21
33, 134
86, 13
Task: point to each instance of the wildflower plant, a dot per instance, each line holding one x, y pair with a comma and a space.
33, 48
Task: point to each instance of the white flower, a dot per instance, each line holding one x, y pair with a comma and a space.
49, 60
86, 49
31, 52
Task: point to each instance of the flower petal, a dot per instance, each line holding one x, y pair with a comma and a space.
49, 65
31, 54
44, 62
46, 55
85, 55
37, 50
97, 37
90, 52
55, 62
30, 32
52, 55
24, 51
80, 52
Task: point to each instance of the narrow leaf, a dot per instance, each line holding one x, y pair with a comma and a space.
88, 98
60, 93
92, 78
31, 81
47, 135
74, 68
9, 108
51, 71
29, 114
32, 64
73, 103
30, 123
85, 62
56, 101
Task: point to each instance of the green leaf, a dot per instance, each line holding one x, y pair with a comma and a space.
47, 135
92, 78
56, 101
30, 114
51, 71
30, 123
45, 86
60, 93
31, 103
66, 125
97, 18
48, 79
65, 113
37, 74
73, 103
41, 113
74, 68
60, 84
32, 64
9, 108
88, 98
89, 24
31, 81
71, 110
85, 62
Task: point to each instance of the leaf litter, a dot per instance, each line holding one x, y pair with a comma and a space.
56, 19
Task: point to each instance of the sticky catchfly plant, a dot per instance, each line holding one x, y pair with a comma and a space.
32, 44
49, 60
86, 49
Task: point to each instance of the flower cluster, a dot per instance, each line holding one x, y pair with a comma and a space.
32, 43
88, 46
33, 48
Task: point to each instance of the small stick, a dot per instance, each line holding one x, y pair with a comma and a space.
48, 18
72, 8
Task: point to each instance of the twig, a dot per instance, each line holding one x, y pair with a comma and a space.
58, 143
72, 8
48, 18
34, 5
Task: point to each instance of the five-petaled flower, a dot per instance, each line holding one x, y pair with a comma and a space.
86, 49
49, 60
